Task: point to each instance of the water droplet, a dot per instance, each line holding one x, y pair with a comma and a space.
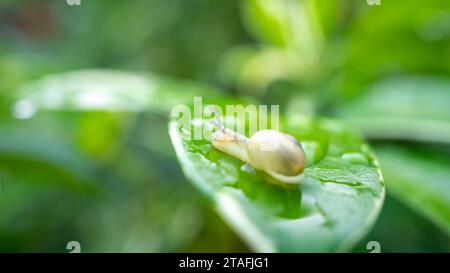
24, 109
356, 158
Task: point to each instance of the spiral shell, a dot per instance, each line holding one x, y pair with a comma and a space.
278, 154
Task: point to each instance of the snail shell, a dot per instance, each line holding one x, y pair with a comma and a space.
278, 154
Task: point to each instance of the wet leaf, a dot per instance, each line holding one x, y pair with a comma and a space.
330, 211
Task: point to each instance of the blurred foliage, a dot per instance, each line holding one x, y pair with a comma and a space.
399, 229
410, 108
111, 180
422, 183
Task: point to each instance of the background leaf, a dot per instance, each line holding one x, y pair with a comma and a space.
406, 108
107, 90
420, 179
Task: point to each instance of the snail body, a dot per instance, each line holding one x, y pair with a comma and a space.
279, 155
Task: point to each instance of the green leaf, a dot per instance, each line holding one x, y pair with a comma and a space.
283, 23
408, 108
419, 179
291, 45
253, 68
32, 157
330, 211
107, 90
420, 28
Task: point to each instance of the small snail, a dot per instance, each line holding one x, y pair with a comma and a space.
280, 155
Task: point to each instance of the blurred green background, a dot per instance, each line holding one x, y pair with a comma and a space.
110, 180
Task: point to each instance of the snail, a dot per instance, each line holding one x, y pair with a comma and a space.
279, 155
